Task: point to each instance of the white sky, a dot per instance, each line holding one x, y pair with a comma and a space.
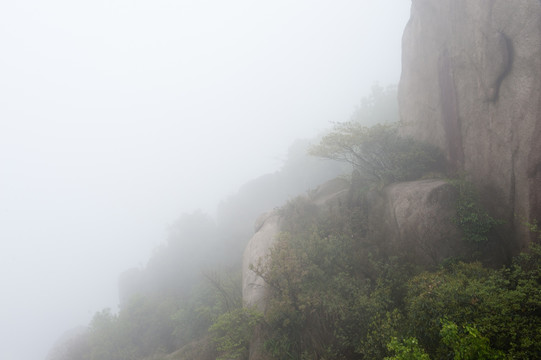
118, 116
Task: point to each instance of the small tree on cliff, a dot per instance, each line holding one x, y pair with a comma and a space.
378, 152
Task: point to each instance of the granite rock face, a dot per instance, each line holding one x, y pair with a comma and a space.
471, 85
267, 227
253, 287
418, 220
413, 218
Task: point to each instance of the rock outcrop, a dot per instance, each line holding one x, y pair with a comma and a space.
267, 227
471, 85
253, 287
413, 218
418, 220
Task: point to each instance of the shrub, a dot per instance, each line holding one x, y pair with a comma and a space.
468, 343
379, 152
471, 217
407, 349
502, 305
232, 332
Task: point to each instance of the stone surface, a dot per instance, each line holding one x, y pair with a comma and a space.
267, 227
414, 218
419, 220
253, 286
471, 84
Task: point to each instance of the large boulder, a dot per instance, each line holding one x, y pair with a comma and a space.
471, 84
418, 221
253, 286
414, 219
267, 227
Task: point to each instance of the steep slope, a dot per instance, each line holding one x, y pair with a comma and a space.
470, 85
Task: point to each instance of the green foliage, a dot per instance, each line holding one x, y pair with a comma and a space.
317, 291
468, 344
147, 323
378, 152
142, 328
335, 294
454, 293
233, 331
152, 327
384, 326
218, 294
533, 227
471, 217
335, 290
329, 288
407, 349
106, 339
504, 305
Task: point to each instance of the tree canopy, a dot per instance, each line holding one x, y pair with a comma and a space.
379, 152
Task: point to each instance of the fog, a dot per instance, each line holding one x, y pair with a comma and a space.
116, 117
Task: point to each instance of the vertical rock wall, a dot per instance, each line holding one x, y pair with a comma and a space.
471, 84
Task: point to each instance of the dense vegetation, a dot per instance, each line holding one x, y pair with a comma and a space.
338, 293
378, 152
338, 289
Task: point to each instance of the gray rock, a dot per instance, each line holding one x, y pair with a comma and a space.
418, 220
253, 286
267, 228
327, 196
471, 84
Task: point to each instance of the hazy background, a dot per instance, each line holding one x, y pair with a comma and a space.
118, 116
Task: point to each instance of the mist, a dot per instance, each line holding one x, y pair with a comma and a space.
117, 117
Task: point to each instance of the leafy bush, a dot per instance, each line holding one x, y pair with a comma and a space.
318, 291
233, 331
503, 305
471, 217
468, 343
335, 294
407, 349
378, 152
328, 288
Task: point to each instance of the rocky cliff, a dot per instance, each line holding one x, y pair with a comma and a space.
471, 84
